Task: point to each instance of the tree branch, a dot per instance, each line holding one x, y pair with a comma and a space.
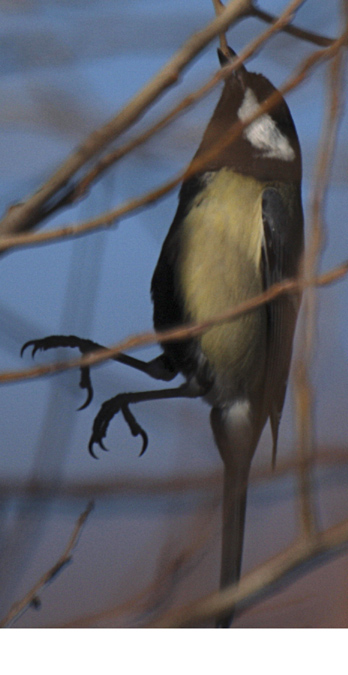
263, 579
121, 488
303, 393
20, 216
30, 597
295, 31
180, 333
110, 217
56, 192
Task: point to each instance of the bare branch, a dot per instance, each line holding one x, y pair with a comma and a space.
30, 597
304, 398
119, 488
110, 217
219, 8
23, 216
157, 595
180, 333
295, 31
20, 216
263, 579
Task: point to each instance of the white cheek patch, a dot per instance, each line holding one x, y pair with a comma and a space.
263, 133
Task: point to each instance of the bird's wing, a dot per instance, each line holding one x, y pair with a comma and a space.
282, 312
165, 288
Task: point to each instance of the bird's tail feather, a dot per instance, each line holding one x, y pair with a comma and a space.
234, 508
236, 438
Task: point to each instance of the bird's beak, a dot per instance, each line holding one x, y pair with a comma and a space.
226, 59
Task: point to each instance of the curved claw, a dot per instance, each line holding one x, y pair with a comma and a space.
34, 343
85, 383
90, 449
86, 403
56, 341
101, 423
44, 344
98, 433
145, 441
135, 428
26, 344
91, 443
108, 410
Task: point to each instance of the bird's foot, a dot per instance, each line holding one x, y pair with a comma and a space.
108, 410
56, 341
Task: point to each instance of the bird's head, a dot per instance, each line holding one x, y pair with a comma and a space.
267, 148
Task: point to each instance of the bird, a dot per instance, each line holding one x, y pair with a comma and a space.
238, 230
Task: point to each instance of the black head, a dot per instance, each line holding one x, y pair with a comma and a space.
268, 148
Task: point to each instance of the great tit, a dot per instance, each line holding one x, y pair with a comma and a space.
238, 229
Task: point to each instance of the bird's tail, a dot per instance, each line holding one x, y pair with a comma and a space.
234, 508
236, 442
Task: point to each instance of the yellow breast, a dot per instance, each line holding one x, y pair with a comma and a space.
220, 267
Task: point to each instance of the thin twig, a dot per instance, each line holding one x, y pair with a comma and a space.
131, 488
219, 8
19, 607
180, 333
304, 398
295, 31
263, 579
157, 595
109, 218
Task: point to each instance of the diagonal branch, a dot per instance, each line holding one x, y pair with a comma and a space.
30, 597
295, 31
263, 579
180, 333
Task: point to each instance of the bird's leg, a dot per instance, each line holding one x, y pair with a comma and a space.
121, 402
159, 368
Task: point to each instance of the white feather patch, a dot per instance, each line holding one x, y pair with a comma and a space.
239, 413
238, 425
263, 133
